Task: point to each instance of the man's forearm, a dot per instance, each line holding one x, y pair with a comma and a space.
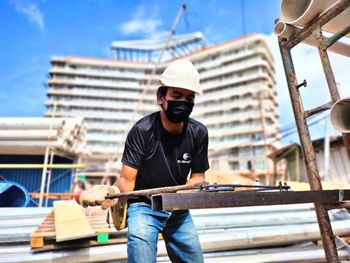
196, 178
124, 185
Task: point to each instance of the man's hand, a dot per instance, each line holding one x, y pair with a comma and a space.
96, 196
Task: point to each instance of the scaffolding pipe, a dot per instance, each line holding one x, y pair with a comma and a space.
308, 153
49, 178
340, 113
301, 12
284, 30
41, 166
318, 22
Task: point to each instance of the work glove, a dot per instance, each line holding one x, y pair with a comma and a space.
96, 196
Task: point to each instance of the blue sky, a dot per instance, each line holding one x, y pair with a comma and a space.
34, 30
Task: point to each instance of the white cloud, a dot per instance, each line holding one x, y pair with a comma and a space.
144, 26
142, 23
307, 64
213, 35
31, 10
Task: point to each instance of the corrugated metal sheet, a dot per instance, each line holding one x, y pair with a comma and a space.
61, 179
222, 232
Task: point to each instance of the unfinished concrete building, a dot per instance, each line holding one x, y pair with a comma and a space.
238, 104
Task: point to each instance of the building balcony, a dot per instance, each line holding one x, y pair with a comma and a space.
97, 115
107, 138
223, 58
231, 101
215, 84
101, 73
96, 104
94, 83
100, 94
233, 68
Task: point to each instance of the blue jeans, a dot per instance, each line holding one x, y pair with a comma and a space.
177, 228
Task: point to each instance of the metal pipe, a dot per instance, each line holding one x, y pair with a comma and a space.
284, 30
318, 109
43, 175
327, 69
304, 135
325, 17
40, 166
338, 35
49, 177
340, 115
301, 12
326, 149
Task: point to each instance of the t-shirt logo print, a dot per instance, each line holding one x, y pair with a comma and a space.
186, 158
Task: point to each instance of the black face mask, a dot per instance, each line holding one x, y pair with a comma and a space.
178, 111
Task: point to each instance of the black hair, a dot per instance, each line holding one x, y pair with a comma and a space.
162, 90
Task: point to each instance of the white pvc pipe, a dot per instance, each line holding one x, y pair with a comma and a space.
300, 12
28, 135
340, 115
286, 31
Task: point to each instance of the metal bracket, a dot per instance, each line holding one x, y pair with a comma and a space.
303, 84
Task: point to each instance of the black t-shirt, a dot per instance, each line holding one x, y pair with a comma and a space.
164, 159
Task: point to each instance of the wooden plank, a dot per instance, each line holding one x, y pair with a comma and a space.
70, 221
95, 216
36, 242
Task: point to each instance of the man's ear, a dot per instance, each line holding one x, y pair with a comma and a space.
159, 99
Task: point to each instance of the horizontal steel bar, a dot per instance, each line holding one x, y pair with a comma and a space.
174, 201
324, 18
331, 40
316, 110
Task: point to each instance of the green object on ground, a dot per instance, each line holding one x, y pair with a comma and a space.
103, 237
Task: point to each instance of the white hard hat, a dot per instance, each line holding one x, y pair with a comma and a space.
181, 73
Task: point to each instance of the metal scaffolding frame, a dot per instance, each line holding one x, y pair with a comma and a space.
323, 200
300, 115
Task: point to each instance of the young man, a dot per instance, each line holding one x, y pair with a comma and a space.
165, 148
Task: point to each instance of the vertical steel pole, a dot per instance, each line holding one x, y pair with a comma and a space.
327, 69
308, 155
332, 84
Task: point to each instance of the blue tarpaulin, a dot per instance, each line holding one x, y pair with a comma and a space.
13, 194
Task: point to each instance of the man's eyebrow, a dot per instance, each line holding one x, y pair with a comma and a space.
175, 92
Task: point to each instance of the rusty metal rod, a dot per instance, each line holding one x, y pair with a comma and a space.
327, 69
319, 109
218, 187
152, 191
329, 41
308, 152
324, 18
303, 131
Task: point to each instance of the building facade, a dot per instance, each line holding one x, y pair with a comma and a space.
238, 104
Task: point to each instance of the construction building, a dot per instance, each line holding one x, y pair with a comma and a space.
238, 104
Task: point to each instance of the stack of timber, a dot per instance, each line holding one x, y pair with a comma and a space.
281, 233
33, 135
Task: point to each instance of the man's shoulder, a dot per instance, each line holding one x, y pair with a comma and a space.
147, 123
197, 126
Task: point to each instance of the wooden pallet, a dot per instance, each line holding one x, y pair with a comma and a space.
44, 238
